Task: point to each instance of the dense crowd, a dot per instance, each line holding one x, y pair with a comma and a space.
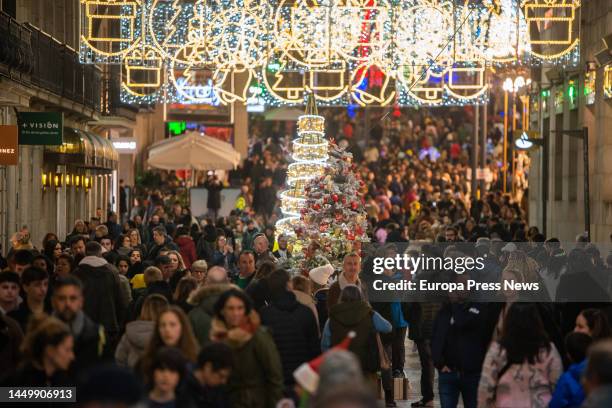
157, 306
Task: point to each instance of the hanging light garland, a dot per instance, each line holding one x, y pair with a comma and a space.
364, 52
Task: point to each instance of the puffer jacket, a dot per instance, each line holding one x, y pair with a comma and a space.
203, 301
256, 380
569, 392
134, 341
294, 330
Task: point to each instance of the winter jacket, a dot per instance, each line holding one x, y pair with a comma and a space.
154, 249
101, 292
191, 394
256, 380
23, 313
11, 337
248, 236
308, 301
259, 292
89, 342
187, 249
294, 330
321, 303
157, 287
459, 340
569, 392
133, 342
335, 290
358, 317
519, 384
203, 301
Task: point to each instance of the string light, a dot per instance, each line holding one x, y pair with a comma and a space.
178, 51
310, 154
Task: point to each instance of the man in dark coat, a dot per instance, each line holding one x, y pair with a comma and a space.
459, 344
160, 240
89, 338
101, 291
292, 325
214, 186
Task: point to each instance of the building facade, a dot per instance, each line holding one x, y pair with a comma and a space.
569, 99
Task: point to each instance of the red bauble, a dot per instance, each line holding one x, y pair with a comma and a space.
359, 230
323, 228
339, 217
334, 197
325, 200
344, 200
350, 236
354, 205
316, 207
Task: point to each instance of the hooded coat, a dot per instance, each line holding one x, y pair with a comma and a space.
102, 300
356, 316
256, 380
187, 249
203, 301
294, 330
133, 342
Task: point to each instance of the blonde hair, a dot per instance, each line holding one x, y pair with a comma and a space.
181, 265
152, 274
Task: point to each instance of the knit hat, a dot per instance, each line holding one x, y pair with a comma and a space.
307, 374
321, 274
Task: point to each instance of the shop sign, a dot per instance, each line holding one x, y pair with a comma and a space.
124, 144
9, 148
41, 128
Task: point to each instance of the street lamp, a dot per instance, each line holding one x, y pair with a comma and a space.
527, 142
510, 86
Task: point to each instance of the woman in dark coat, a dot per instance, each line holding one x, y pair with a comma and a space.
256, 380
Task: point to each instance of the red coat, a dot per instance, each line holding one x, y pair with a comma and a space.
187, 250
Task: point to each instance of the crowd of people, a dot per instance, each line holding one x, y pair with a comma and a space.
159, 306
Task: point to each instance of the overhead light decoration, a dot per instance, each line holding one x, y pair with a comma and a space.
432, 52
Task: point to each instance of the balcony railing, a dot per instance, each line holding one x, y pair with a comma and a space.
32, 57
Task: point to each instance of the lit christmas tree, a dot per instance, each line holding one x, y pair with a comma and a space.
334, 219
310, 157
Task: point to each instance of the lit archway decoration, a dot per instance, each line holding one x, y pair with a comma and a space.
142, 72
371, 85
239, 33
302, 31
109, 29
558, 16
361, 30
422, 30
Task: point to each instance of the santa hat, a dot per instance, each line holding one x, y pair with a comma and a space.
321, 274
307, 374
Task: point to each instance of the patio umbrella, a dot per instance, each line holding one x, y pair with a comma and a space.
194, 152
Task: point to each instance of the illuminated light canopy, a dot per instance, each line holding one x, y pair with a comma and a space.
365, 52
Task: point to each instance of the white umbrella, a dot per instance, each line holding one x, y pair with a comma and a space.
195, 152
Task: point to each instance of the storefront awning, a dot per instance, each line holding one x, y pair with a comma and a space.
83, 149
